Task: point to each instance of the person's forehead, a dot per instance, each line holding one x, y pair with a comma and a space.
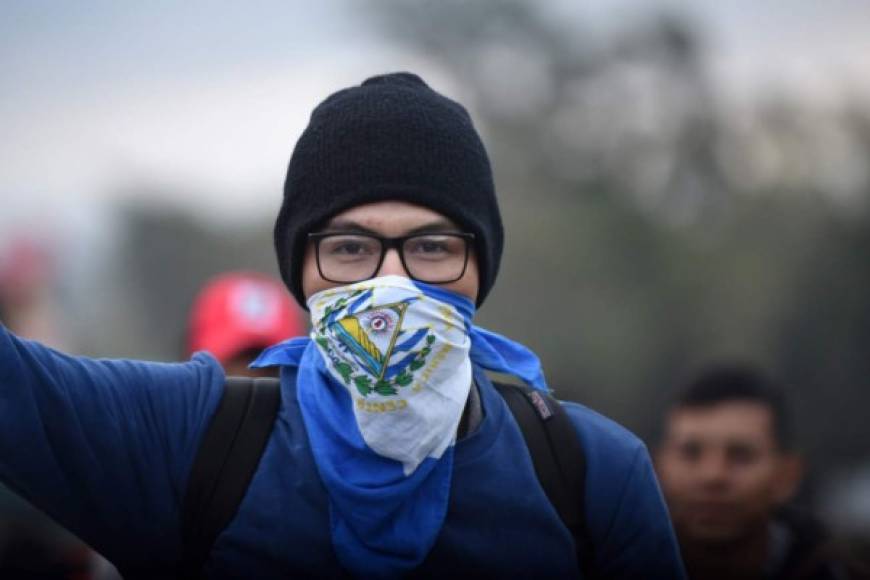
384, 213
733, 421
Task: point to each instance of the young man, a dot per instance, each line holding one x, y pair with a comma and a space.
726, 468
238, 314
392, 453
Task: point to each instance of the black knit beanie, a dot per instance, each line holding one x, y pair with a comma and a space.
391, 138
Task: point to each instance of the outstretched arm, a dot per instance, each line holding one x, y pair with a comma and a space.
104, 446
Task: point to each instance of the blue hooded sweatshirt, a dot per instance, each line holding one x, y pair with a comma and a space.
105, 448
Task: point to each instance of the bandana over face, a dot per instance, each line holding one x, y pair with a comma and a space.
382, 384
403, 358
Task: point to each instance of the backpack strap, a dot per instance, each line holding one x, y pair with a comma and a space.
234, 442
559, 460
228, 456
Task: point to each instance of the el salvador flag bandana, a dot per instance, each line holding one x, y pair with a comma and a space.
382, 383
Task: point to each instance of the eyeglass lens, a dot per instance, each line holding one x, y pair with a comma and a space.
435, 258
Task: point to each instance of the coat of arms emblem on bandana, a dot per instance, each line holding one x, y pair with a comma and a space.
369, 347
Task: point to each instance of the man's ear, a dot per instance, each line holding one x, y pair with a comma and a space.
789, 474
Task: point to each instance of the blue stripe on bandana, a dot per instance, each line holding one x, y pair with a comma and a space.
489, 350
384, 522
359, 302
411, 342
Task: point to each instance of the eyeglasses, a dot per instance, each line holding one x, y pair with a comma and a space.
435, 258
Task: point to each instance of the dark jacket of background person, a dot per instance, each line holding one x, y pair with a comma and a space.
804, 549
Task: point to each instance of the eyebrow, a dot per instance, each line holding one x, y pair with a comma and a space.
346, 225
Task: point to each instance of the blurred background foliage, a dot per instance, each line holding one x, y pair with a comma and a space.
650, 231
651, 227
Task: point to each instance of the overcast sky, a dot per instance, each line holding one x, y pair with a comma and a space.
211, 96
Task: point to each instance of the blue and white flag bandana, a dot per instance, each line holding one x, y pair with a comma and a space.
382, 383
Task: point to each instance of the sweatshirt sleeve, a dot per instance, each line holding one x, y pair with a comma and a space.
104, 446
626, 515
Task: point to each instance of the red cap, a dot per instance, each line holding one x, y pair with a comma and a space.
239, 311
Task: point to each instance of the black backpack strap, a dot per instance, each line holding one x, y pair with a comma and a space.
225, 464
559, 460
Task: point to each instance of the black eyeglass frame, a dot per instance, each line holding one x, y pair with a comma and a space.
386, 245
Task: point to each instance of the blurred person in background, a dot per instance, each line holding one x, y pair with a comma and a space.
238, 314
728, 471
393, 454
27, 276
